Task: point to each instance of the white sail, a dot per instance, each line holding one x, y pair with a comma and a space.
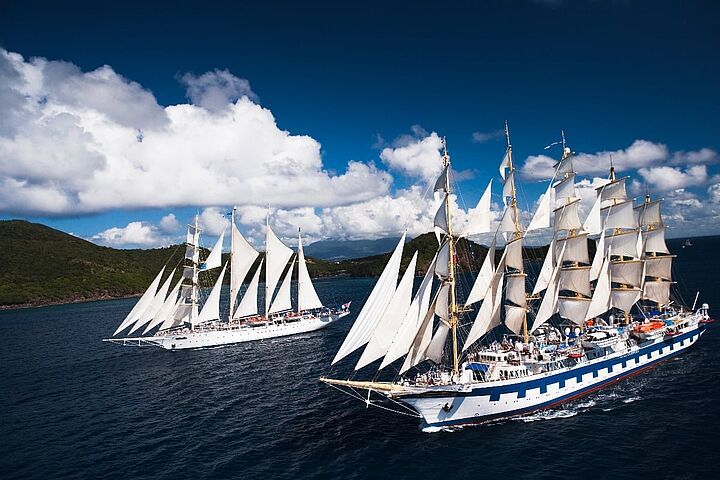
482, 282
659, 267
282, 300
614, 191
541, 219
657, 292
564, 166
419, 345
192, 253
575, 279
435, 350
507, 223
387, 327
649, 214
599, 257
655, 241
442, 304
441, 217
513, 258
214, 259
546, 271
576, 249
505, 163
628, 272
249, 303
487, 315
593, 222
567, 217
625, 298
154, 306
211, 309
277, 255
163, 315
412, 320
573, 308
307, 296
619, 216
480, 218
623, 244
515, 289
193, 235
565, 190
514, 317
242, 256
600, 302
443, 260
442, 181
142, 304
371, 313
548, 306
508, 184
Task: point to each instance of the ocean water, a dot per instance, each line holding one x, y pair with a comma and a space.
74, 407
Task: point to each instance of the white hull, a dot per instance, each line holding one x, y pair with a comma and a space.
203, 338
483, 401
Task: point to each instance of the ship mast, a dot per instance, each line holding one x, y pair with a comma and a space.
195, 290
518, 233
451, 262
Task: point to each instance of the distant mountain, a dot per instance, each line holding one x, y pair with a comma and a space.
346, 249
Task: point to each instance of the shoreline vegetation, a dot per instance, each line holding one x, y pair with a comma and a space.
43, 266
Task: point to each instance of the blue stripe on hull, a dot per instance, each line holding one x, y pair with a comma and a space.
521, 388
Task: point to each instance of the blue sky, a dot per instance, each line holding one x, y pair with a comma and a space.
354, 79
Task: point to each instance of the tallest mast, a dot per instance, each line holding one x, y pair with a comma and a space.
451, 262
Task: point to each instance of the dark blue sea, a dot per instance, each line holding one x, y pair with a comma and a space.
72, 406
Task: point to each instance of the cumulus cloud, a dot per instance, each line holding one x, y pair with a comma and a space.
74, 142
169, 223
416, 155
714, 193
672, 178
134, 234
216, 90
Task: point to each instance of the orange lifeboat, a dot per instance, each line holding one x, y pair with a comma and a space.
650, 326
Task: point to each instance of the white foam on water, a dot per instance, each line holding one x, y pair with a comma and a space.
630, 399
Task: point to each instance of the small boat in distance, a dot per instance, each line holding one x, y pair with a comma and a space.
184, 320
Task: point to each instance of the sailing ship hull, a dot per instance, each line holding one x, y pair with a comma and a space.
245, 333
477, 403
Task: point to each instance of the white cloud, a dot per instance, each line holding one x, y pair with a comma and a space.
714, 193
672, 178
416, 156
217, 89
134, 234
70, 144
214, 221
169, 223
484, 137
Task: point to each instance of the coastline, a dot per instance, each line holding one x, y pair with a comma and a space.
68, 301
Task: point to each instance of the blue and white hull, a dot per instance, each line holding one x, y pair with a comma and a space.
477, 402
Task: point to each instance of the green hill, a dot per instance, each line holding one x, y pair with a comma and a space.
42, 265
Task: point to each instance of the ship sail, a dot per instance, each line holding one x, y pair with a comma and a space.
249, 304
375, 305
277, 255
282, 300
165, 310
242, 257
307, 296
211, 308
142, 304
154, 306
214, 259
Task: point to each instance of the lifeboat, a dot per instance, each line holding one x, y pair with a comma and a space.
650, 326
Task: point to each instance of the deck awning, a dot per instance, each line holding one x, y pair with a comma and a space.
478, 367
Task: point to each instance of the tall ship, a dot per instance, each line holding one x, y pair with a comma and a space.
185, 318
514, 343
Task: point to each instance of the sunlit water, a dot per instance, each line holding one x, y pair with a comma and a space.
74, 407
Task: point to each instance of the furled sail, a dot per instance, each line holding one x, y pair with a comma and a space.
277, 255
375, 305
307, 296
249, 303
282, 300
211, 309
142, 304
214, 259
392, 317
242, 256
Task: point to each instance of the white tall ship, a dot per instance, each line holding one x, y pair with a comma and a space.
585, 324
182, 319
